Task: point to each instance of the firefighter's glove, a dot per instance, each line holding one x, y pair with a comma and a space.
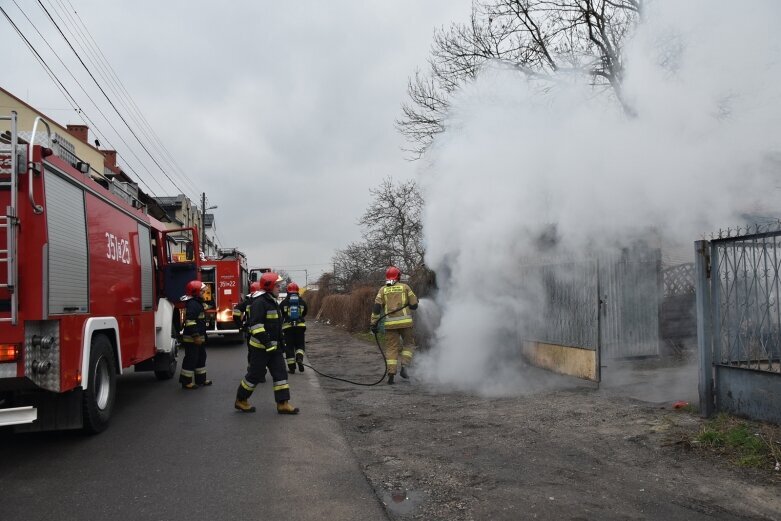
373, 328
272, 347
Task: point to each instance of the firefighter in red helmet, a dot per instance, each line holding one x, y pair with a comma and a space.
193, 372
294, 328
395, 300
266, 344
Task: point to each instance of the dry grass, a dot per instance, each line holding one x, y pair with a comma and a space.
314, 299
351, 311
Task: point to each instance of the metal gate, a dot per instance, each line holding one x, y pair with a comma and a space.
605, 307
739, 322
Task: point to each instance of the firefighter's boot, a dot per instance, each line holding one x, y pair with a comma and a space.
300, 362
244, 406
390, 379
200, 378
242, 398
291, 368
286, 408
187, 380
403, 372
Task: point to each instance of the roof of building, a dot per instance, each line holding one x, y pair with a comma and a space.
170, 201
153, 208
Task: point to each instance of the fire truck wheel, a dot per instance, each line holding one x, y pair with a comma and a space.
170, 370
99, 396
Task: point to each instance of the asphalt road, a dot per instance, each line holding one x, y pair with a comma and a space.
175, 454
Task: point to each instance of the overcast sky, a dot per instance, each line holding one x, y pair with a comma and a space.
280, 110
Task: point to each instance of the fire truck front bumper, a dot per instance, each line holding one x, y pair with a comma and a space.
217, 331
18, 415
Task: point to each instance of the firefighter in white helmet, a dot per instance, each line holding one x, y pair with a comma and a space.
395, 300
193, 372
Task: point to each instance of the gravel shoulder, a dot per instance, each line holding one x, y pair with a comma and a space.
568, 453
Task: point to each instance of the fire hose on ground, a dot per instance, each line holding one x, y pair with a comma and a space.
384, 359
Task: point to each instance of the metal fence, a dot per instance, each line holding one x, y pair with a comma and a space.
739, 322
745, 296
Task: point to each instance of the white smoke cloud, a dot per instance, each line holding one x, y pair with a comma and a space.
701, 152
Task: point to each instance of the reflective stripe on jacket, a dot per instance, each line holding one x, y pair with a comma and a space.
266, 329
393, 297
194, 319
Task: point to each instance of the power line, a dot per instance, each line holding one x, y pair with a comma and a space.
107, 97
63, 89
65, 92
92, 124
92, 50
130, 99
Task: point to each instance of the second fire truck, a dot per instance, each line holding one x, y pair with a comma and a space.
227, 278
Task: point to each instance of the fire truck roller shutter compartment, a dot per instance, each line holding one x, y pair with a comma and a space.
147, 271
68, 267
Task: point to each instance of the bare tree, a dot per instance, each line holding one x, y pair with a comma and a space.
536, 37
355, 265
393, 224
392, 235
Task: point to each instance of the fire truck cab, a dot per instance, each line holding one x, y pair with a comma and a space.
228, 282
89, 283
256, 273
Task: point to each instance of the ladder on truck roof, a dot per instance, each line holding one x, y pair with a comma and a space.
10, 221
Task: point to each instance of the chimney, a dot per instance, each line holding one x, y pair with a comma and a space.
109, 158
79, 132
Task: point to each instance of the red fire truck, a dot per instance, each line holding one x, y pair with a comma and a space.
88, 286
227, 278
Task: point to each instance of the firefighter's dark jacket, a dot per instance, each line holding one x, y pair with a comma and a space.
288, 322
241, 312
265, 322
194, 319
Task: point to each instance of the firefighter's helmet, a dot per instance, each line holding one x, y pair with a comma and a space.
268, 280
292, 287
393, 273
193, 288
255, 286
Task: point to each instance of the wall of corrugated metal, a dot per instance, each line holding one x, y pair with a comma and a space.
631, 294
568, 310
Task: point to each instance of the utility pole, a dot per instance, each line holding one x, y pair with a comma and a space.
203, 222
